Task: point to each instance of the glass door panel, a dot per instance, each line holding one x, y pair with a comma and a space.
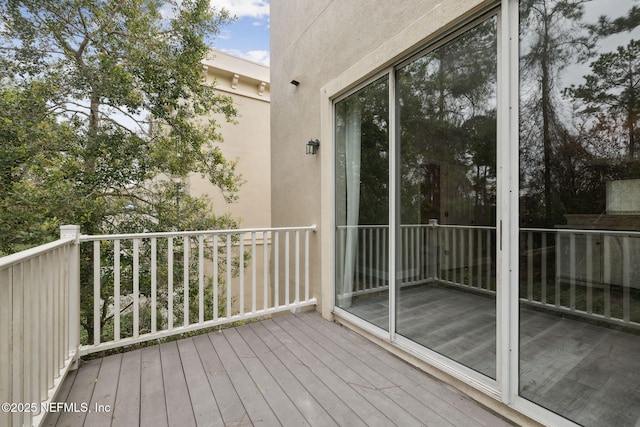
446, 286
579, 242
362, 203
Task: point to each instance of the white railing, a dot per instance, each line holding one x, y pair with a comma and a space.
456, 255
153, 285
586, 272
39, 326
589, 273
138, 285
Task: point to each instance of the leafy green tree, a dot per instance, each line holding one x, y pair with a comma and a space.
447, 128
104, 110
551, 36
612, 90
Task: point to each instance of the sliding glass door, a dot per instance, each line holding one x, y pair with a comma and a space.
580, 209
446, 286
418, 233
362, 203
445, 193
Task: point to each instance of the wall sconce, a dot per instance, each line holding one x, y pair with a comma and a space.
312, 146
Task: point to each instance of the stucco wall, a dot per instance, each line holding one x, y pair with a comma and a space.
330, 46
247, 141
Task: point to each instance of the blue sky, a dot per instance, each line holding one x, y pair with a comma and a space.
248, 36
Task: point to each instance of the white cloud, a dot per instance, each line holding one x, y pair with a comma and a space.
259, 56
244, 8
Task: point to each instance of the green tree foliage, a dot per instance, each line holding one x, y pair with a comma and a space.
612, 92
104, 110
551, 38
99, 99
448, 130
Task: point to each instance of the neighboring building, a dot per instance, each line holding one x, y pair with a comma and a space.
247, 141
457, 142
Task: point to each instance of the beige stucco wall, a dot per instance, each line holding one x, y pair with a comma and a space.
247, 142
329, 47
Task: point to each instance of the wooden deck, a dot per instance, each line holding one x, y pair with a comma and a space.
587, 372
292, 370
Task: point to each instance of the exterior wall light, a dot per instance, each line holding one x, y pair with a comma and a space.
312, 146
295, 82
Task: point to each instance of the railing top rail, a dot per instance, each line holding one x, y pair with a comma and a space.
482, 227
472, 227
27, 254
90, 238
583, 231
347, 227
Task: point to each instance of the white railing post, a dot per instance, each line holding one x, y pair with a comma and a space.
434, 243
73, 232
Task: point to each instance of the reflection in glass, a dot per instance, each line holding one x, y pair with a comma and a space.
446, 239
362, 203
580, 209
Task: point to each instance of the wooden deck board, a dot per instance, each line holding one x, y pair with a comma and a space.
275, 396
586, 371
436, 395
178, 400
127, 405
81, 392
254, 402
63, 394
292, 370
153, 408
369, 385
304, 402
205, 410
367, 412
105, 391
231, 409
325, 396
382, 377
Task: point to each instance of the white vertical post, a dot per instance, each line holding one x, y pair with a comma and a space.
297, 267
253, 272
479, 258
6, 367
17, 338
136, 287
36, 368
185, 280
489, 266
96, 292
200, 278
241, 267
306, 265
287, 267
543, 266
607, 275
589, 267
378, 260
228, 295
529, 266
572, 271
265, 271
276, 265
558, 268
216, 307
154, 284
73, 231
626, 279
370, 266
116, 290
170, 283
471, 231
